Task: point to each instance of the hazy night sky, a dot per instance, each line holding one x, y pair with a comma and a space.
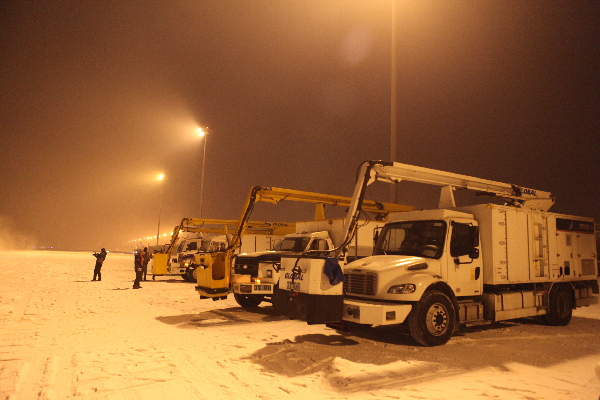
98, 97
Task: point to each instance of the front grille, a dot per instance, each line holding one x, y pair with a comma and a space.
246, 266
360, 283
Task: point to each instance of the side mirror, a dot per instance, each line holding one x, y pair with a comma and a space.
474, 253
376, 233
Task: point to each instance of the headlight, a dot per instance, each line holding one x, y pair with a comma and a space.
405, 288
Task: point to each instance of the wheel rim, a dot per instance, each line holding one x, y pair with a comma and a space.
563, 304
437, 319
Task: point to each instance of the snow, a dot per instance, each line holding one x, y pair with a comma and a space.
63, 336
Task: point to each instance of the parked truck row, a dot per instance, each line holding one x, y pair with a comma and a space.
196, 236
431, 270
256, 275
257, 279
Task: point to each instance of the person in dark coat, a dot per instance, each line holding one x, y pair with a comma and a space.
138, 262
100, 257
145, 260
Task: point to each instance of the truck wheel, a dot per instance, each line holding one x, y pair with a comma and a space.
431, 321
248, 301
560, 307
185, 277
192, 274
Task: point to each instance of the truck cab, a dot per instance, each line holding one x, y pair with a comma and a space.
256, 274
415, 252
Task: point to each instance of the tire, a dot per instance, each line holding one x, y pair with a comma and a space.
185, 277
192, 274
248, 301
431, 321
560, 306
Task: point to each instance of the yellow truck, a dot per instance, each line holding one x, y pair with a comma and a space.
183, 255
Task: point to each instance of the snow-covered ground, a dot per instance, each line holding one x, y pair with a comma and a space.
63, 336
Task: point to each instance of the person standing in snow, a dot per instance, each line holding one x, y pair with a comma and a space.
145, 260
100, 257
138, 262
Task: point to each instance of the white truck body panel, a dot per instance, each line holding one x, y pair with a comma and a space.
310, 280
253, 243
523, 246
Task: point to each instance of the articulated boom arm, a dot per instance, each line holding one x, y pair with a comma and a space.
225, 226
515, 195
371, 171
275, 195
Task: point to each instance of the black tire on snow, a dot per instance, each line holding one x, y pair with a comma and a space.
560, 306
192, 274
431, 321
248, 300
185, 277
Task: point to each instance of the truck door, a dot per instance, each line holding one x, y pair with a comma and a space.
319, 244
464, 266
566, 238
538, 245
576, 250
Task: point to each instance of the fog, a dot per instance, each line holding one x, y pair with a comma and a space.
98, 98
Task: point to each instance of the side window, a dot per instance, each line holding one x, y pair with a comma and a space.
319, 244
460, 242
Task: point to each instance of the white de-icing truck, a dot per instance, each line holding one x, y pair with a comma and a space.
259, 271
435, 270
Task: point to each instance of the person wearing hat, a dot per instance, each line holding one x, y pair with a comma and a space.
145, 259
100, 257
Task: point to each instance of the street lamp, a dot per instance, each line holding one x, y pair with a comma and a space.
202, 132
394, 97
161, 177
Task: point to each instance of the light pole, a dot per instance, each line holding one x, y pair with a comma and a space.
161, 177
202, 132
394, 97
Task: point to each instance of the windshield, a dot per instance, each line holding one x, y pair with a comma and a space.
412, 238
293, 244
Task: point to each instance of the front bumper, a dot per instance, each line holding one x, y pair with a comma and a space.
253, 288
375, 313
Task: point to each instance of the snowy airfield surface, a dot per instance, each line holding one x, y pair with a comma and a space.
63, 336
